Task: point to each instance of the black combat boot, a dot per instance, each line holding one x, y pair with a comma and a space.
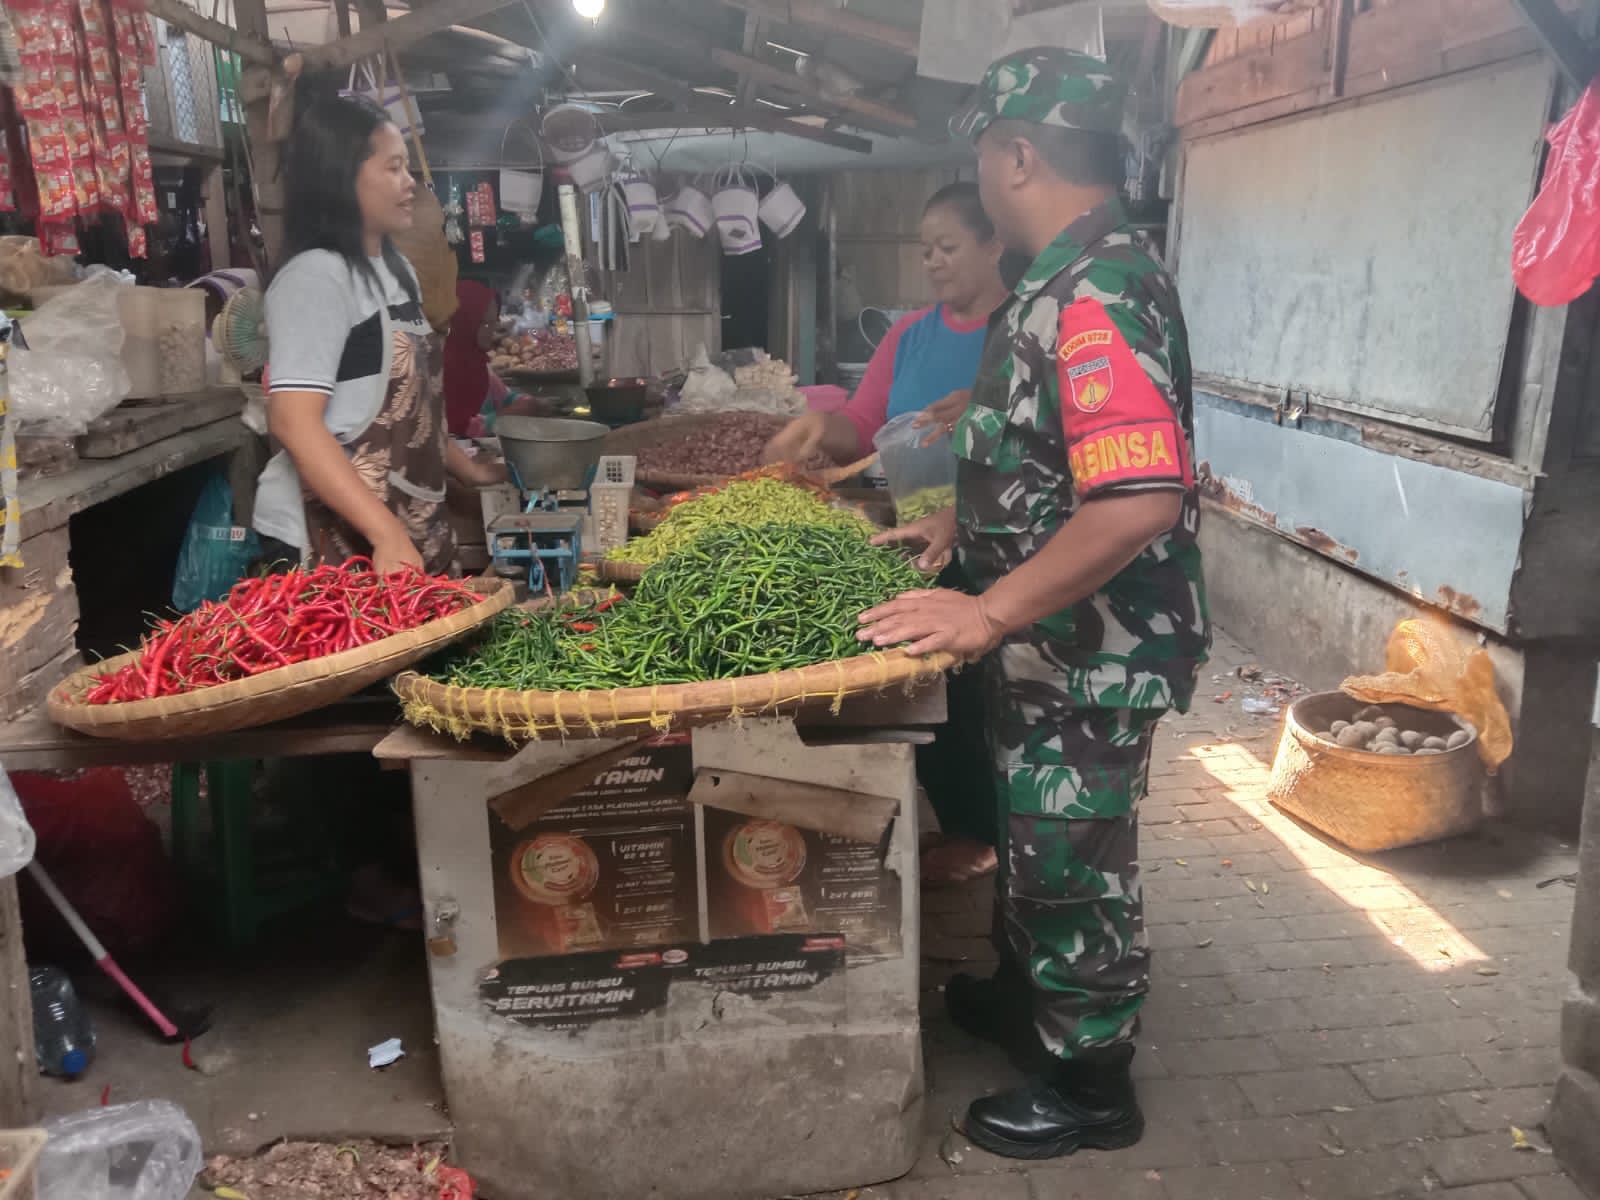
997, 1009
1083, 1103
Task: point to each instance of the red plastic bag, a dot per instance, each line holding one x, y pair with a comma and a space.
106, 857
1555, 251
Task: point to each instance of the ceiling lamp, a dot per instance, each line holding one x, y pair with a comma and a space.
589, 10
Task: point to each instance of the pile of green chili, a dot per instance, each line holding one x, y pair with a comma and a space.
742, 502
739, 600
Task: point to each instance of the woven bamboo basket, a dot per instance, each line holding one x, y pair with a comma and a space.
270, 696
1371, 802
528, 716
19, 1160
611, 571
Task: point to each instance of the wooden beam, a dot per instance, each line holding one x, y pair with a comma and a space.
884, 114
248, 47
812, 14
730, 118
1578, 60
659, 82
754, 35
400, 32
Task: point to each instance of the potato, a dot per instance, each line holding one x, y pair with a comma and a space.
1410, 739
1366, 729
1351, 737
1386, 723
1421, 750
1338, 727
1435, 743
1390, 748
1389, 734
1457, 739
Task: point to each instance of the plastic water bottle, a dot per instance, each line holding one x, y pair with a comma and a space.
63, 1038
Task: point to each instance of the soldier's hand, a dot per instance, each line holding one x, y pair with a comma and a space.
935, 533
927, 620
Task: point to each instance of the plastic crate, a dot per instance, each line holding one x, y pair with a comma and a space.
609, 497
19, 1160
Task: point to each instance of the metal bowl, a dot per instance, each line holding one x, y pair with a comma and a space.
551, 452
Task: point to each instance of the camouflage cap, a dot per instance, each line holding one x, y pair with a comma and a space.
1047, 85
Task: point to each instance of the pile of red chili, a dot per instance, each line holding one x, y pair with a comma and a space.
278, 620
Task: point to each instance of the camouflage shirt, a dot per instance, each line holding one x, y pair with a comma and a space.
1084, 390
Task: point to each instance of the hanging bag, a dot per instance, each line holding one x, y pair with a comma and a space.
644, 205
424, 244
690, 210
781, 209
737, 205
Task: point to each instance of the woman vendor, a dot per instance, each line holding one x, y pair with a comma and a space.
926, 364
352, 398
927, 361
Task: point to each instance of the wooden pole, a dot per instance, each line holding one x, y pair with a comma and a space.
252, 47
255, 90
216, 208
19, 1071
400, 32
746, 67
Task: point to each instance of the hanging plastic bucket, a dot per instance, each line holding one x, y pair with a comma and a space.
737, 206
691, 210
644, 205
663, 230
570, 132
522, 186
592, 169
781, 209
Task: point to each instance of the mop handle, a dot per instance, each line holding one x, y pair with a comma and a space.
98, 952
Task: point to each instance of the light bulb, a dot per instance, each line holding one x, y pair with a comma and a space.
589, 10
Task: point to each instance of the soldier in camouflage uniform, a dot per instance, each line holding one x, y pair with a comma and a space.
1076, 519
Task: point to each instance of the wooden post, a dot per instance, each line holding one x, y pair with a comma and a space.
216, 208
19, 1072
255, 90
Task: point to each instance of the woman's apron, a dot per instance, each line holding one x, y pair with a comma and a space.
400, 457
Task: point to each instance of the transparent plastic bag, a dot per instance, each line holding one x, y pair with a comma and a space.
1555, 249
921, 479
216, 553
16, 835
147, 1150
1429, 665
71, 371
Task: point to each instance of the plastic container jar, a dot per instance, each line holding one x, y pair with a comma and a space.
921, 479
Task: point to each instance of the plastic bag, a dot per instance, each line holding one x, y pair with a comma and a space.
708, 388
104, 854
1431, 666
216, 553
147, 1150
16, 835
922, 479
1555, 249
71, 371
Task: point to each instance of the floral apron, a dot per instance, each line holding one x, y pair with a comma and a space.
400, 456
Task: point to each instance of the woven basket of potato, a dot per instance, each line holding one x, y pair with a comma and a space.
1377, 777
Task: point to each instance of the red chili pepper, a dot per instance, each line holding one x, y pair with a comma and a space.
583, 626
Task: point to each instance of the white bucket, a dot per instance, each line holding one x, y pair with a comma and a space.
782, 210
522, 186
691, 210
663, 230
737, 206
592, 168
644, 206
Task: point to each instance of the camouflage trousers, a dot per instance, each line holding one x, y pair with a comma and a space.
1070, 912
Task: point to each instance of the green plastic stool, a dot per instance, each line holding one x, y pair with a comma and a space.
239, 887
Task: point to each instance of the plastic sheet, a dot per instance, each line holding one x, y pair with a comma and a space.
16, 835
71, 371
1429, 665
216, 553
1555, 250
148, 1150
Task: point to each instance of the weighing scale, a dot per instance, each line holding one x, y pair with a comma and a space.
551, 462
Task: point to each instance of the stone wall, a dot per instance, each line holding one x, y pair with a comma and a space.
1575, 1111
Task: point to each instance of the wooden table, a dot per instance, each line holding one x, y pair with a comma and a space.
34, 743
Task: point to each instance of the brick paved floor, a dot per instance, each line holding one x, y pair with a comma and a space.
1321, 1024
